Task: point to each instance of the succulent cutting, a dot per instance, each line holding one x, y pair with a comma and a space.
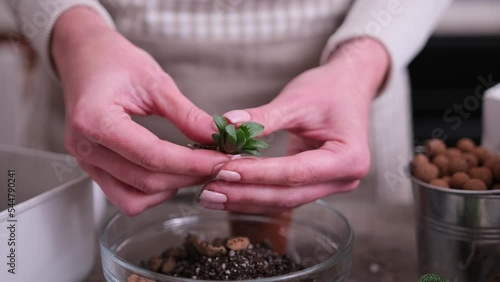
235, 140
240, 140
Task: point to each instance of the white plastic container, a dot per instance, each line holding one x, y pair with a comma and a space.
55, 227
491, 116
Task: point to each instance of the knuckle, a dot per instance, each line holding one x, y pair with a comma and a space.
79, 122
192, 113
149, 159
192, 168
146, 183
299, 176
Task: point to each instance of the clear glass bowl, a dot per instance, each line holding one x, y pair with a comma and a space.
318, 236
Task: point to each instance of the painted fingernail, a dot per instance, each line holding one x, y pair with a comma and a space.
214, 197
216, 168
212, 206
235, 157
228, 175
237, 116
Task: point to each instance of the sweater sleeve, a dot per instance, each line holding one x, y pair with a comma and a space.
402, 26
36, 20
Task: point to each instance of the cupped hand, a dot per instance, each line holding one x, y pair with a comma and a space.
106, 79
326, 111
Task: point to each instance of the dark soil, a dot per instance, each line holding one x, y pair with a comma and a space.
222, 259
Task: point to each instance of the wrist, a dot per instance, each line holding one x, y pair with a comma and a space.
365, 57
75, 28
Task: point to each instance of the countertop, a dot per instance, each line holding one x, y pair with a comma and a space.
384, 245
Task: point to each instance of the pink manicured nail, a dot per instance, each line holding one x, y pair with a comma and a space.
214, 197
228, 175
217, 168
237, 116
212, 206
235, 157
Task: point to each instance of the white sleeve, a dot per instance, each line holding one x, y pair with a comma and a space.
402, 26
36, 19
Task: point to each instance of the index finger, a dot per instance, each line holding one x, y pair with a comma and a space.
306, 168
139, 145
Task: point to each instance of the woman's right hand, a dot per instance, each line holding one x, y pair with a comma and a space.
106, 79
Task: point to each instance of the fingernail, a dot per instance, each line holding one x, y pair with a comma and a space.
212, 206
228, 175
214, 197
237, 116
214, 127
216, 168
234, 157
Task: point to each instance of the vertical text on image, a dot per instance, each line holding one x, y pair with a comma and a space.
12, 221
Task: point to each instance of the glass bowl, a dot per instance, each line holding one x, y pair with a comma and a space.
317, 236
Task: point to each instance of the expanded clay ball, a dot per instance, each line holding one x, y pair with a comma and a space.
474, 184
482, 154
453, 152
483, 174
442, 162
426, 172
435, 146
458, 164
419, 159
491, 163
466, 145
471, 159
439, 182
447, 178
458, 180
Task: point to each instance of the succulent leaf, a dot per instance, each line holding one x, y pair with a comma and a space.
220, 122
252, 129
255, 144
431, 278
216, 138
241, 139
231, 133
229, 148
250, 152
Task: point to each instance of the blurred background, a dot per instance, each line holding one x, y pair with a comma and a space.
449, 77
460, 61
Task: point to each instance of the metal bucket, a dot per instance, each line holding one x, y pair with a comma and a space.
458, 232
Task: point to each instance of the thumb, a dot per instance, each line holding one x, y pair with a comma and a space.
269, 115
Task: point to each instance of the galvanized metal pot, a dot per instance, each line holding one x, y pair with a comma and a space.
458, 232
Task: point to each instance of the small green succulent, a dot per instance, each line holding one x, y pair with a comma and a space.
431, 278
241, 140
232, 140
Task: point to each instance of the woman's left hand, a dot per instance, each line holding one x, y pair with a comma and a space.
326, 110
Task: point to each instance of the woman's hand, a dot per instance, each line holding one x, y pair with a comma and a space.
106, 79
326, 110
